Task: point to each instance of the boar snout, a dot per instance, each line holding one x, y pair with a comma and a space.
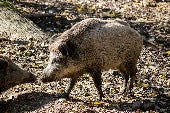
33, 78
30, 78
48, 75
46, 78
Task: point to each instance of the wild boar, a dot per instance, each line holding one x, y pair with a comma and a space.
93, 46
11, 74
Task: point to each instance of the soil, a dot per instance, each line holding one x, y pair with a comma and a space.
151, 92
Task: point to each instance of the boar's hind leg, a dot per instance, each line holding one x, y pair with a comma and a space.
126, 78
132, 77
70, 86
96, 75
129, 71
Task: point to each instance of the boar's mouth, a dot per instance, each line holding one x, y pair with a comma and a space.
48, 79
6, 85
31, 78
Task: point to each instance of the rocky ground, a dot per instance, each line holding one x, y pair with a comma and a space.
151, 92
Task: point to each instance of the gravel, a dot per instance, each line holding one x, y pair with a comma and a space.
151, 92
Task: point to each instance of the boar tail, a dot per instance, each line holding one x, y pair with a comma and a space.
147, 43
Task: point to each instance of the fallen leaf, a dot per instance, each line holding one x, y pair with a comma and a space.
97, 103
138, 95
153, 94
152, 67
80, 9
60, 90
168, 52
81, 106
139, 84
112, 90
123, 100
162, 76
58, 23
57, 16
144, 85
138, 111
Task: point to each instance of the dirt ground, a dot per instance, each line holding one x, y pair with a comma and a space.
151, 92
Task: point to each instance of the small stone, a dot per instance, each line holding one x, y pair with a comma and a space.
157, 108
61, 100
136, 105
90, 111
147, 106
22, 48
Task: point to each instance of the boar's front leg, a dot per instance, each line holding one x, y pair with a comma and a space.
70, 87
96, 75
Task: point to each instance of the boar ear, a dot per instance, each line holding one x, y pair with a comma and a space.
3, 63
53, 38
67, 48
71, 48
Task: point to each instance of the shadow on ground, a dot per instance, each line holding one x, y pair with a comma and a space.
159, 104
154, 31
50, 17
28, 101
54, 19
34, 100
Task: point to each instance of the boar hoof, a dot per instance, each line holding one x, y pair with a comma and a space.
123, 90
64, 95
126, 91
33, 77
101, 96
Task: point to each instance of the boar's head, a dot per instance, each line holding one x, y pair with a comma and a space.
3, 66
11, 74
62, 61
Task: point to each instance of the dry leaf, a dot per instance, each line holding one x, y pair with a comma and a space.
60, 90
144, 85
138, 95
97, 103
153, 94
168, 52
162, 76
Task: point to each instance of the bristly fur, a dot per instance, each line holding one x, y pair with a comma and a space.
11, 74
76, 31
92, 46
